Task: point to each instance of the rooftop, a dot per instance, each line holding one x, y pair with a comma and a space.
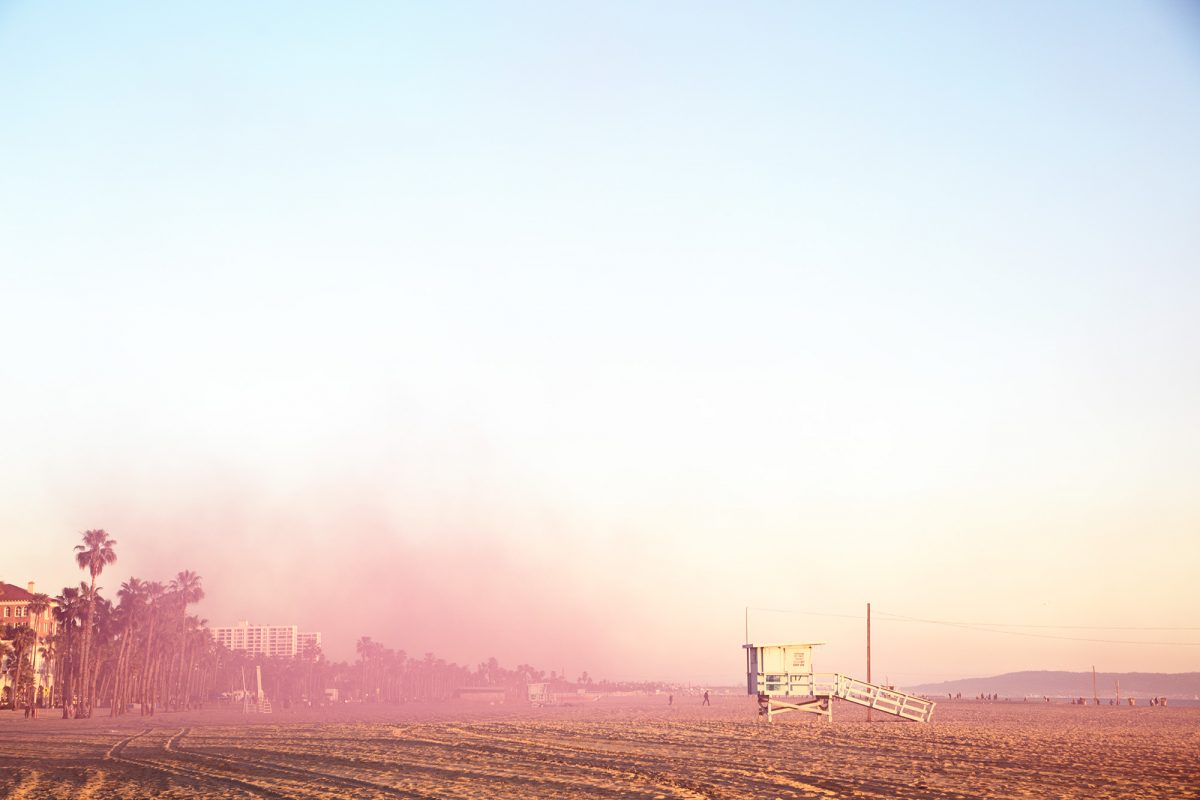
14, 594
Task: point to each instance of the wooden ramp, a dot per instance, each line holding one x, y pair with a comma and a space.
824, 686
886, 700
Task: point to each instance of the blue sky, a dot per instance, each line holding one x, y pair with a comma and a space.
623, 299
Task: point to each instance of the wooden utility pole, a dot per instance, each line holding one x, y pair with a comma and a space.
868, 653
1095, 696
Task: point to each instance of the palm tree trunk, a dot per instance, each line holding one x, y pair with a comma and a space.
106, 685
121, 681
16, 687
34, 688
67, 666
87, 641
178, 669
92, 681
145, 676
187, 696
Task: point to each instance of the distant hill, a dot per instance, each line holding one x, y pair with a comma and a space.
1071, 684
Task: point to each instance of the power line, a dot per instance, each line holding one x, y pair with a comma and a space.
971, 627
901, 617
992, 627
808, 613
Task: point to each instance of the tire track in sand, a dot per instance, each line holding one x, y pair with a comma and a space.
93, 783
24, 790
116, 754
173, 746
437, 772
592, 761
735, 780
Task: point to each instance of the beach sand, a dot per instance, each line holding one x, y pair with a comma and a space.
633, 747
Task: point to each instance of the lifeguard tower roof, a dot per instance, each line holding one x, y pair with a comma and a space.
784, 644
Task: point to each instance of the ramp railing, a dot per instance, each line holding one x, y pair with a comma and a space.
833, 684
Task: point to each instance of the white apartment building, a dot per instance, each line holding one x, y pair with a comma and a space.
307, 641
267, 640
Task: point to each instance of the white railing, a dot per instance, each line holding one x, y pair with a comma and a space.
832, 684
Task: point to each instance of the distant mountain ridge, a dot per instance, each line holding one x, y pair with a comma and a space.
1070, 684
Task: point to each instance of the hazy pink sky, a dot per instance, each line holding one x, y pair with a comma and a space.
563, 335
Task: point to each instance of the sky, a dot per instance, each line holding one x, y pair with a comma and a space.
564, 332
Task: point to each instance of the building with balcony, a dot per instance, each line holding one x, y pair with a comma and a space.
266, 640
14, 609
15, 612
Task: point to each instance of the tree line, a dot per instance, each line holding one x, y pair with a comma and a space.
146, 651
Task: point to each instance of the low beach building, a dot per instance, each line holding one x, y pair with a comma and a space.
492, 695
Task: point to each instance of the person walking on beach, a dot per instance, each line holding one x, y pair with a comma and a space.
706, 703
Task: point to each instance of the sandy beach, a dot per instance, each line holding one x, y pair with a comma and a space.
616, 747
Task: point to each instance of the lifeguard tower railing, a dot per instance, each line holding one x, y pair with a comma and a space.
843, 687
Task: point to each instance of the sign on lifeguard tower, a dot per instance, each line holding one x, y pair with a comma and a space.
778, 671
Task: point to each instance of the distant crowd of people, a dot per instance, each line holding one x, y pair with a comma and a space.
991, 697
982, 696
1112, 701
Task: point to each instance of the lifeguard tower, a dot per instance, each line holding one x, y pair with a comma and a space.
258, 701
782, 677
539, 693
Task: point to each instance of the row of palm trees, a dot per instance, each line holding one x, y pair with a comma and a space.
146, 650
384, 675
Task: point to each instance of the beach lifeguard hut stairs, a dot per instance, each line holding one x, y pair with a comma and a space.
782, 677
258, 701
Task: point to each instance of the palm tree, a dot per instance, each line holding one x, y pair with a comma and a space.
37, 606
50, 662
154, 596
68, 610
105, 636
22, 639
132, 596
187, 586
6, 652
366, 651
185, 590
198, 639
94, 555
